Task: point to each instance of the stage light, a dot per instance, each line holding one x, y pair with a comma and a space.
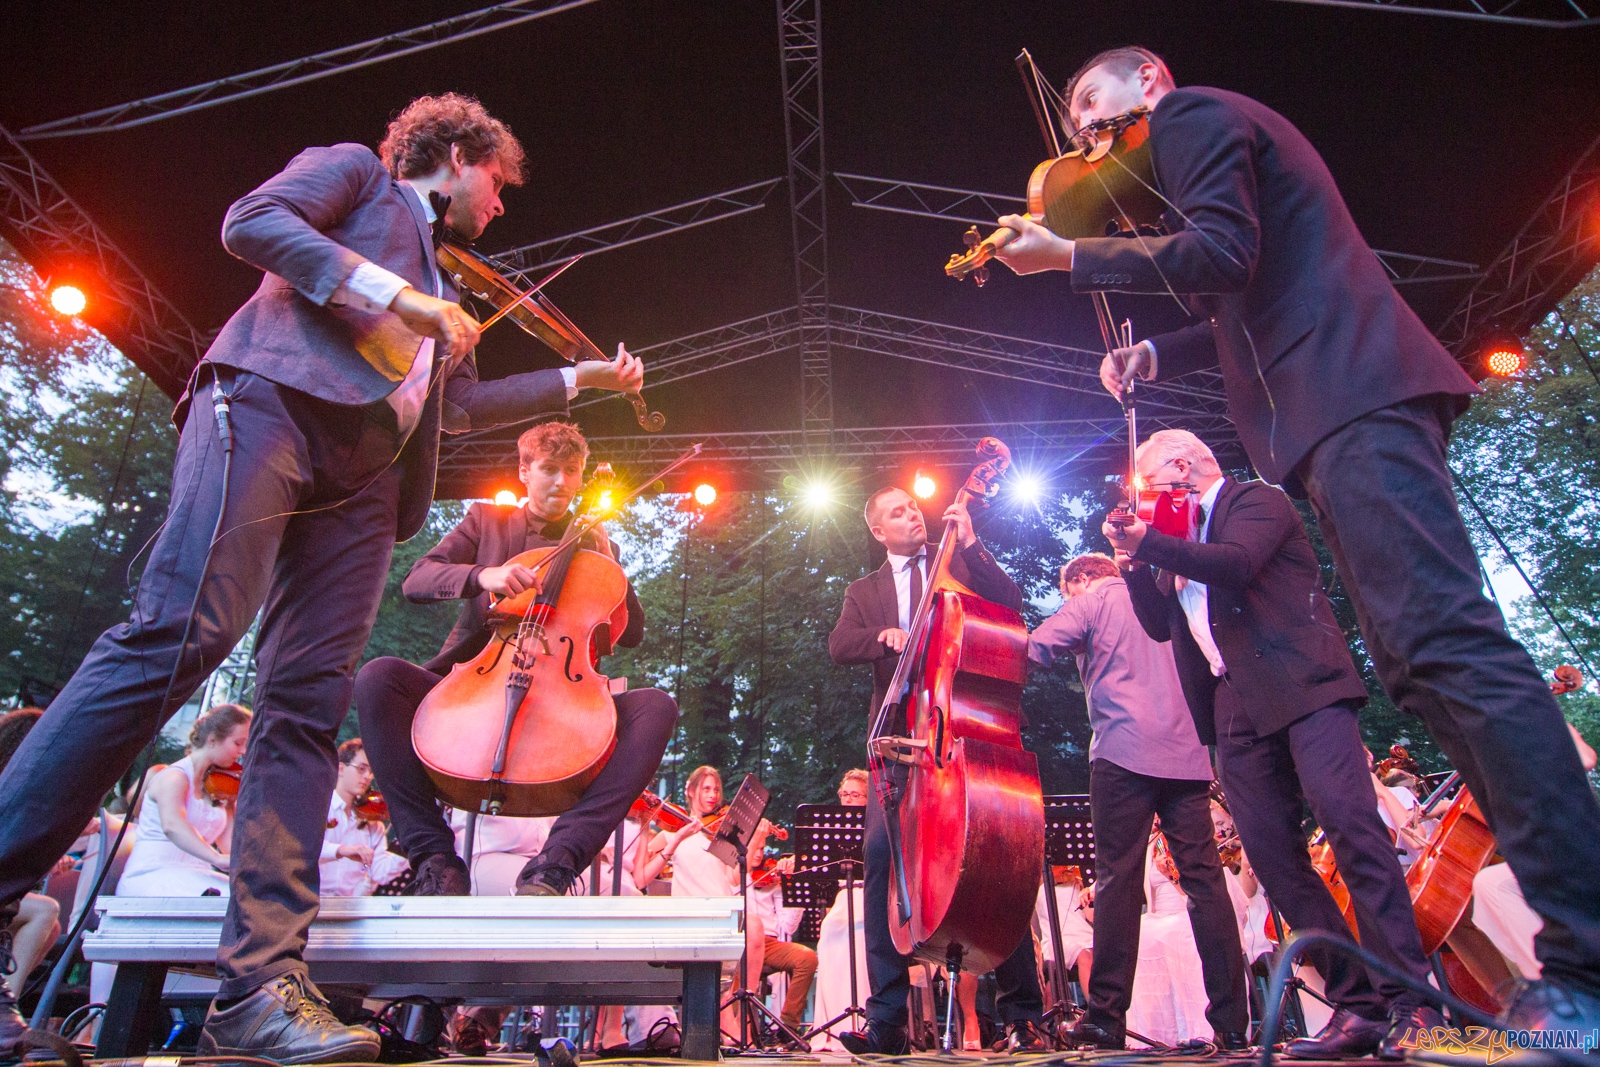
922, 486
506, 498
817, 493
68, 300
1027, 489
1503, 361
603, 501
705, 494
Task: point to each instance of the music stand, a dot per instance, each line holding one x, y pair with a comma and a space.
828, 839
731, 845
1068, 841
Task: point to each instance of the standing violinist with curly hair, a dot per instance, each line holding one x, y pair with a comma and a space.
340, 371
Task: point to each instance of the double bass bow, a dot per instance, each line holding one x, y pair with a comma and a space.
961, 797
524, 727
530, 309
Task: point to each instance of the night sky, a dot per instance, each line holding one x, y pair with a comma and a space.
1443, 134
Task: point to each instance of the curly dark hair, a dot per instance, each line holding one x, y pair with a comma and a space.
1091, 565
1121, 62
419, 138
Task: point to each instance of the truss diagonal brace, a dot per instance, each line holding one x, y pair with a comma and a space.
536, 257
47, 226
299, 71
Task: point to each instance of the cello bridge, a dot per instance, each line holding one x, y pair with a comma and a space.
898, 749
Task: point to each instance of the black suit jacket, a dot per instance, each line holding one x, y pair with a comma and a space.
1285, 654
1308, 331
870, 607
488, 536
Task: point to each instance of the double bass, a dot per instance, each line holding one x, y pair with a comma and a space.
966, 828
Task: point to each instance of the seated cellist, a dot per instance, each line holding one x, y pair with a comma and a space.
470, 564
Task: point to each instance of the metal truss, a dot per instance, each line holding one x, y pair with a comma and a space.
49, 228
1096, 444
299, 71
537, 257
1550, 14
1558, 246
800, 51
1034, 362
723, 347
968, 205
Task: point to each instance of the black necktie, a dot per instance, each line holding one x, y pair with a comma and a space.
915, 563
1199, 519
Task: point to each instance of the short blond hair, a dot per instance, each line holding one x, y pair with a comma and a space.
855, 774
1164, 446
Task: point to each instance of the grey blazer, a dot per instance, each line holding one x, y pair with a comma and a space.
308, 227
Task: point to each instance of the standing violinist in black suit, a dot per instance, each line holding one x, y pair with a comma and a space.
1269, 681
1341, 395
873, 628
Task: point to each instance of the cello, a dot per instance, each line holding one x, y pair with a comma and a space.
524, 727
961, 797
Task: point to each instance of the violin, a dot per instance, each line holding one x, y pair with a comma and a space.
966, 827
1104, 187
371, 807
221, 784
671, 817
534, 312
1568, 679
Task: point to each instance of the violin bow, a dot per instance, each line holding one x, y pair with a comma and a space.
546, 280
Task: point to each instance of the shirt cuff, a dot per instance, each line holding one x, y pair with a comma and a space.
570, 376
369, 288
1150, 374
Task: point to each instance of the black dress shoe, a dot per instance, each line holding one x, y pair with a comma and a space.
1347, 1035
1404, 1026
877, 1039
545, 880
1232, 1041
1092, 1035
1549, 1004
286, 1021
1025, 1036
442, 875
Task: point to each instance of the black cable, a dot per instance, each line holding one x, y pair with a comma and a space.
221, 403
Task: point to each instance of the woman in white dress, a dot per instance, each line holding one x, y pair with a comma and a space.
181, 840
181, 837
1169, 989
831, 991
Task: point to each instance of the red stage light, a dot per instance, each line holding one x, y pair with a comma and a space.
1504, 361
68, 300
705, 494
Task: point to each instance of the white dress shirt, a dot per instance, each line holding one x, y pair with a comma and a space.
373, 288
902, 582
343, 877
1194, 598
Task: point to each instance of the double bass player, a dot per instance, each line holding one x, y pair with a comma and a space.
873, 628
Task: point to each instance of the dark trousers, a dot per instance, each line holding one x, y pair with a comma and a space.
317, 575
1268, 780
388, 692
1122, 803
1383, 497
888, 974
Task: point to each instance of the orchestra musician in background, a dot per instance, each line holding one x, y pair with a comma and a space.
835, 939
1145, 761
1341, 395
873, 627
355, 851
